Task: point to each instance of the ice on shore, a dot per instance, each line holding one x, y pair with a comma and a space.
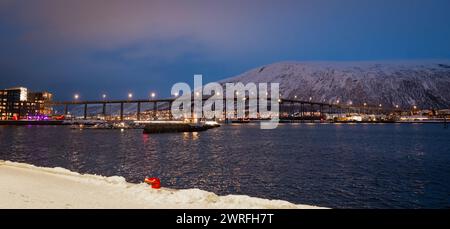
27, 186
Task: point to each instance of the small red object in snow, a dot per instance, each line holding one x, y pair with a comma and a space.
153, 181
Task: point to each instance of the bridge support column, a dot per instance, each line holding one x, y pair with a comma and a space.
104, 110
121, 111
321, 111
155, 109
292, 111
66, 109
138, 114
170, 110
301, 111
85, 111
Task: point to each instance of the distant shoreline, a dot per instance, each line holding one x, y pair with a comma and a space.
283, 121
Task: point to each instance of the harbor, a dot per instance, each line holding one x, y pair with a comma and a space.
333, 165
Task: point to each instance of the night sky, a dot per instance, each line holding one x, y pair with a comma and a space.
93, 47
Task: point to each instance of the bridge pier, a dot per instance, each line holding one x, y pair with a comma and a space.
138, 114
170, 110
85, 111
321, 111
155, 109
66, 109
104, 110
121, 111
301, 111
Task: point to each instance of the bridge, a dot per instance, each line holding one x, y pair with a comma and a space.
289, 108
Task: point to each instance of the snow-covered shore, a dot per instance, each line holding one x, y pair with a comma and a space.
27, 186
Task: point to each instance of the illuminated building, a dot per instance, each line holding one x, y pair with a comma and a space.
19, 103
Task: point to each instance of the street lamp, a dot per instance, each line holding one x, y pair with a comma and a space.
130, 95
310, 98
153, 94
295, 97
76, 96
104, 96
365, 104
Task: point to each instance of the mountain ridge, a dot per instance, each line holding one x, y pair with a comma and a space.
423, 83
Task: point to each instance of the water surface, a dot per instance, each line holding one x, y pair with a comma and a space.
330, 165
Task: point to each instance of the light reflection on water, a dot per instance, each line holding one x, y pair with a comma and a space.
346, 166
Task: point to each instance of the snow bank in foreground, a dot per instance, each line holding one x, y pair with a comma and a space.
27, 186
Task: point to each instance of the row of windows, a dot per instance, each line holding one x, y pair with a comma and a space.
21, 104
33, 103
4, 112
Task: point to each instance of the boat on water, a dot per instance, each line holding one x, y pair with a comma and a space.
109, 125
173, 127
151, 126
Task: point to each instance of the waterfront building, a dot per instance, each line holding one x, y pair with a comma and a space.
19, 103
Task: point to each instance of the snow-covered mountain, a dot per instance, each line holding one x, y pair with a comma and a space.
405, 83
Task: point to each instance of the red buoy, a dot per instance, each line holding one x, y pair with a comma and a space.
153, 181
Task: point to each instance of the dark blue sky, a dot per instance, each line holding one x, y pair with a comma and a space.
92, 47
